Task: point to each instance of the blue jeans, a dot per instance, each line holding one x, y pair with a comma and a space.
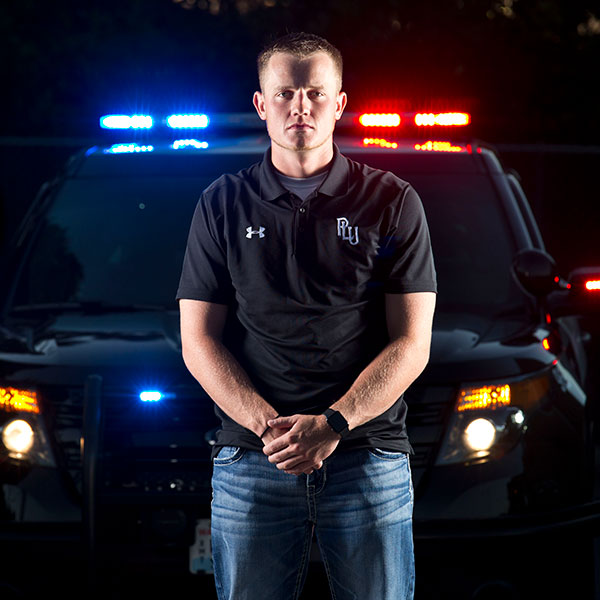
359, 504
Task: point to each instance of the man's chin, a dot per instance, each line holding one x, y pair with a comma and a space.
299, 144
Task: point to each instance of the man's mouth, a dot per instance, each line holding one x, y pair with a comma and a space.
300, 126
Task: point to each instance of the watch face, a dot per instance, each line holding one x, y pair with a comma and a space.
336, 421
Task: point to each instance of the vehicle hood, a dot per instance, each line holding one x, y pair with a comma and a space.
467, 347
464, 347
70, 346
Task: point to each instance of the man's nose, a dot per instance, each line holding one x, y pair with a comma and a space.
300, 104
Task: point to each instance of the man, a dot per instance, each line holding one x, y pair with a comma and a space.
306, 297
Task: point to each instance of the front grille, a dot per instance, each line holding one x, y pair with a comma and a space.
145, 448
63, 406
428, 411
161, 448
156, 448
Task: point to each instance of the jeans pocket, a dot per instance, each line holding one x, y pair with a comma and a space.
388, 454
227, 455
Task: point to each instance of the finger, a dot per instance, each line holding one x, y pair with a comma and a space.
281, 423
276, 445
284, 455
303, 468
294, 463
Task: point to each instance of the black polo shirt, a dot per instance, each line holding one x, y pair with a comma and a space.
305, 282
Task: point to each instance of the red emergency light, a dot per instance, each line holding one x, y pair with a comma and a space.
592, 285
381, 142
420, 119
445, 119
439, 146
380, 119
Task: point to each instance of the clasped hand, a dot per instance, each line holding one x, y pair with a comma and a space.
299, 443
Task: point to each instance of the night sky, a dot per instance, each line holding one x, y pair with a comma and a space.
525, 69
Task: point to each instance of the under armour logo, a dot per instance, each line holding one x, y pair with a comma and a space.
260, 232
346, 232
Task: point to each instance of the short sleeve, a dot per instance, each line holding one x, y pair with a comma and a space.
411, 264
204, 275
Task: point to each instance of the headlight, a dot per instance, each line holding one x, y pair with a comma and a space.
480, 434
489, 419
22, 430
18, 437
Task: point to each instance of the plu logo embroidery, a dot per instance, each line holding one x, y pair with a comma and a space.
260, 232
346, 232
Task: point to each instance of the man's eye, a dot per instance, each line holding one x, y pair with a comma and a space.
285, 94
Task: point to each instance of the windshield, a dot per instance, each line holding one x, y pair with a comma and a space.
472, 244
118, 241
122, 240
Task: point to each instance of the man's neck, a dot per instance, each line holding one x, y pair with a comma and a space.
301, 164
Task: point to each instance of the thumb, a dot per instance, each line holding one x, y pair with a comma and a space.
281, 422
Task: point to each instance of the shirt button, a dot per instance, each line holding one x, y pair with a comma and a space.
302, 210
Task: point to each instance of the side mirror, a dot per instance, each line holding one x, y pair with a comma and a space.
536, 271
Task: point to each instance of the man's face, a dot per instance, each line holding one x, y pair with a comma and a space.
300, 100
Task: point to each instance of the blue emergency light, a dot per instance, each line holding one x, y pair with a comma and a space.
151, 396
191, 143
128, 148
126, 122
187, 121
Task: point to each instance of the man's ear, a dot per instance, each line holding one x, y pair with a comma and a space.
259, 104
340, 104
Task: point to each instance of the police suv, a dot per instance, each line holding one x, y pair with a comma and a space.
105, 437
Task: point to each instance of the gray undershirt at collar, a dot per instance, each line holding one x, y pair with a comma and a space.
302, 187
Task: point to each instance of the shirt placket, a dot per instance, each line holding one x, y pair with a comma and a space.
300, 220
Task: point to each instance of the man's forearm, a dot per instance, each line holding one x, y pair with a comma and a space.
382, 382
224, 380
310, 440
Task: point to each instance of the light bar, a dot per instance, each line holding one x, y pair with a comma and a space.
436, 146
592, 285
379, 119
382, 143
128, 149
450, 119
192, 143
151, 396
187, 121
490, 397
15, 400
126, 122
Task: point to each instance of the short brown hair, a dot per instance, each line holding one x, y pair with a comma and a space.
300, 45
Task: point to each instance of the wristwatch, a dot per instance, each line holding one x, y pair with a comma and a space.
337, 422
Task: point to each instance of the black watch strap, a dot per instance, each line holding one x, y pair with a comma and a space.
337, 422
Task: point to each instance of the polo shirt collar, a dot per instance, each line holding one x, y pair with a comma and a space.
338, 178
336, 183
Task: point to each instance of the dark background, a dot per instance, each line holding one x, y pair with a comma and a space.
527, 70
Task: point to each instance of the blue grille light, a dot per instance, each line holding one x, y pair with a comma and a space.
128, 148
151, 396
187, 121
126, 122
192, 143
